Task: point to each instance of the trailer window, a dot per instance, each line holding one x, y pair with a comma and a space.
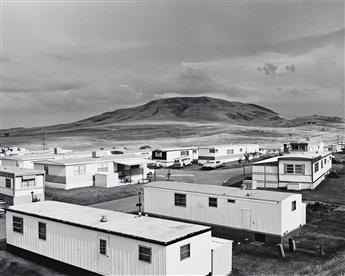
316, 167
231, 201
289, 168
158, 154
299, 169
184, 152
180, 200
293, 205
185, 251
230, 151
28, 183
8, 183
102, 247
42, 231
18, 224
212, 202
145, 253
103, 167
79, 170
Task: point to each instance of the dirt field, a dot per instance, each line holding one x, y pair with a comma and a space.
133, 136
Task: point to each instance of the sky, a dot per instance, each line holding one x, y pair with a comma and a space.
63, 61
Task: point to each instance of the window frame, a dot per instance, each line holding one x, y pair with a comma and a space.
102, 167
213, 202
103, 247
79, 170
289, 168
10, 183
26, 183
158, 154
185, 251
180, 202
293, 205
18, 226
145, 256
229, 151
42, 234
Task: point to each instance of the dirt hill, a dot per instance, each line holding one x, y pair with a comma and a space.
195, 109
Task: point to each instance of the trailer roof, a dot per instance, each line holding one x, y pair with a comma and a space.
87, 160
175, 148
19, 171
227, 146
149, 229
216, 190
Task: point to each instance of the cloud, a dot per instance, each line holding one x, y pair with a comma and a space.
13, 85
5, 59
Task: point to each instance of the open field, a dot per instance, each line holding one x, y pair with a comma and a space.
133, 136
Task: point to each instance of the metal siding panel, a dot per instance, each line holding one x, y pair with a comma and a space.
266, 215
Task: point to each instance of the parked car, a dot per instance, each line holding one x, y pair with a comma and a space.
182, 162
211, 165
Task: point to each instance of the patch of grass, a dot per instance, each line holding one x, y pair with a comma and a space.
326, 223
92, 195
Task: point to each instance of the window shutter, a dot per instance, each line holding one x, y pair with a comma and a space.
303, 169
285, 168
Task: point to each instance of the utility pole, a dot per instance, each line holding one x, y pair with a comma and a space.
139, 204
43, 140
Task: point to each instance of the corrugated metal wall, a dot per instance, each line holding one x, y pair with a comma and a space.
263, 216
79, 247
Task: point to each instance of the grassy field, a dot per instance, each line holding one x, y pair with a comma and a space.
325, 223
133, 136
92, 195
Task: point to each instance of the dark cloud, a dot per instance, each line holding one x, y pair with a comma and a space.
291, 68
268, 68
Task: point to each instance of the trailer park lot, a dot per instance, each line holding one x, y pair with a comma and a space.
325, 224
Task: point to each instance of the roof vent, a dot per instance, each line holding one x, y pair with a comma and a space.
104, 219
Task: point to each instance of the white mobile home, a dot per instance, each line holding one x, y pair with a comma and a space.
292, 171
112, 243
165, 156
106, 171
18, 185
225, 153
260, 215
307, 145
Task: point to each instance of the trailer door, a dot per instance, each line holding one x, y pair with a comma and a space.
103, 256
245, 219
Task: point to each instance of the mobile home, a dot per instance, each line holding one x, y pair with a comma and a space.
105, 171
233, 212
113, 243
225, 153
292, 171
165, 156
303, 146
18, 185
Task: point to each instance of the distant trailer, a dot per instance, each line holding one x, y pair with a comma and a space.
226, 153
263, 216
113, 243
165, 156
19, 185
103, 171
292, 171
